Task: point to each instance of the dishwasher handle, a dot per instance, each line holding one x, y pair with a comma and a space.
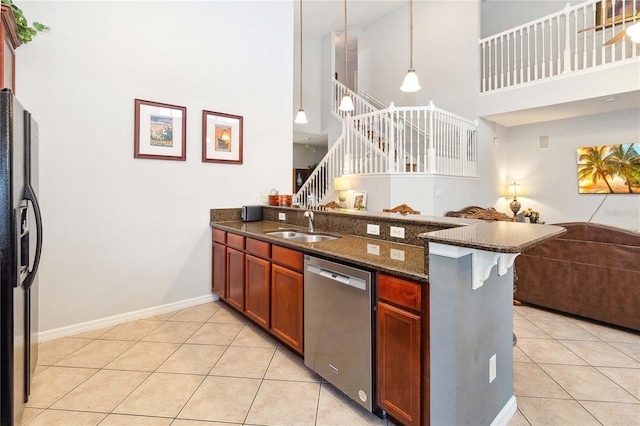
335, 276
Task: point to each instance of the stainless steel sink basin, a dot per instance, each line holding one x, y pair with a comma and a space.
302, 237
313, 238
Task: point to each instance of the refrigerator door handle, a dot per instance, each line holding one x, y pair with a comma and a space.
29, 194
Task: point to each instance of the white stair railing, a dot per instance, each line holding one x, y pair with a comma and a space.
565, 42
395, 140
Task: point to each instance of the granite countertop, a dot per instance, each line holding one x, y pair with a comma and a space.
402, 260
498, 236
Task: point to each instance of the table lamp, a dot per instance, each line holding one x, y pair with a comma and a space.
342, 184
514, 191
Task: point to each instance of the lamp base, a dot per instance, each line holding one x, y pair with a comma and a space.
343, 200
515, 206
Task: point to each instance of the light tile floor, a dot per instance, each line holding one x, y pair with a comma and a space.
206, 365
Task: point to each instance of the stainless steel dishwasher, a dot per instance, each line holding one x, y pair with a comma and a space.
338, 327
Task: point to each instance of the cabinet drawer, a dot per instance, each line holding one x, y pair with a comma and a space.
235, 241
400, 292
258, 248
287, 257
219, 236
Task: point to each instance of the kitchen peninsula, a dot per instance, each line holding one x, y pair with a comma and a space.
443, 317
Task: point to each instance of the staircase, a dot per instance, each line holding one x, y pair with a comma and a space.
426, 140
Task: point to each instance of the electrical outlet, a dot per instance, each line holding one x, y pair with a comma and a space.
492, 368
256, 198
396, 231
373, 229
282, 216
397, 254
373, 249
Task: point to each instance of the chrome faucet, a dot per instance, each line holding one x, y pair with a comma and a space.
309, 214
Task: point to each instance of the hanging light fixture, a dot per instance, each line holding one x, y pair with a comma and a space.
410, 82
301, 117
346, 104
634, 32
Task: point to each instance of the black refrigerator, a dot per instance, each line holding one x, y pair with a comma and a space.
20, 250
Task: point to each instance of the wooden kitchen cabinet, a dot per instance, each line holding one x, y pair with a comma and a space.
263, 281
286, 306
235, 278
219, 263
287, 290
257, 295
399, 371
10, 38
219, 270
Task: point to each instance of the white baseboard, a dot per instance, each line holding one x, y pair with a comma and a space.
117, 319
506, 413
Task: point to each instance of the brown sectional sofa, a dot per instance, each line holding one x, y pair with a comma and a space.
592, 271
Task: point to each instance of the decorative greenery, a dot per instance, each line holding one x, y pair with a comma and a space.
25, 31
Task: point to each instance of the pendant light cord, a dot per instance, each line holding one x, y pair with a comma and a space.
346, 76
411, 38
300, 54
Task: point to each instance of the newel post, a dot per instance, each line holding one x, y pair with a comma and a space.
391, 148
432, 148
346, 135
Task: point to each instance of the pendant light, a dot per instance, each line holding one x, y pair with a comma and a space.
301, 117
411, 83
346, 104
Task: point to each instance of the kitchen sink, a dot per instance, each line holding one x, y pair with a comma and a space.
302, 237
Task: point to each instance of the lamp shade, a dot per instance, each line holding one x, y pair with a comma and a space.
342, 183
514, 190
634, 32
410, 82
346, 104
301, 117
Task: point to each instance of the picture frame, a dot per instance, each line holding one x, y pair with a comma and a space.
609, 169
160, 131
359, 200
221, 137
609, 12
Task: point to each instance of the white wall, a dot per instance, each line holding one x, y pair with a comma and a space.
549, 176
330, 124
306, 155
311, 84
123, 234
500, 15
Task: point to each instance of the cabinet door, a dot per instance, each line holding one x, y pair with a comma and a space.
257, 277
219, 270
235, 278
399, 363
286, 306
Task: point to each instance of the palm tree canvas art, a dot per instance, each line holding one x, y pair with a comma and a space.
609, 169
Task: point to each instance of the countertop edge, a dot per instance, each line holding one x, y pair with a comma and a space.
309, 248
485, 236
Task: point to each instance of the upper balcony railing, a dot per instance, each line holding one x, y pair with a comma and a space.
572, 40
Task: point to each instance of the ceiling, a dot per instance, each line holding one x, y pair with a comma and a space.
310, 139
566, 110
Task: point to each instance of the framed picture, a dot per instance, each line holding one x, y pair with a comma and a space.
160, 131
609, 169
359, 200
609, 12
221, 137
